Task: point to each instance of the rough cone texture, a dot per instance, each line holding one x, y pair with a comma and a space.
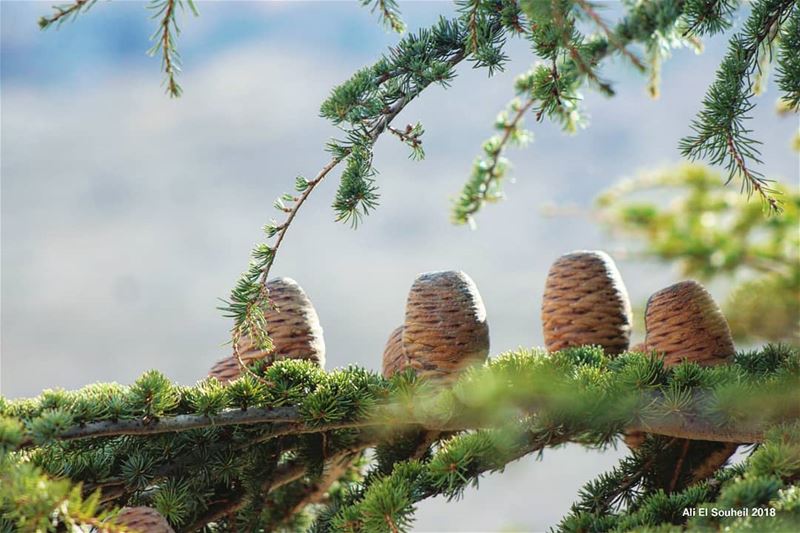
225, 370
445, 331
394, 357
684, 322
585, 302
293, 325
143, 520
445, 328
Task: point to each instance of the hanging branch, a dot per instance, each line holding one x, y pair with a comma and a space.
488, 170
720, 134
388, 12
588, 8
458, 463
788, 77
554, 89
65, 12
165, 40
369, 102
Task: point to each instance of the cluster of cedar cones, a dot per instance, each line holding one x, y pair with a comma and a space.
445, 328
585, 302
445, 331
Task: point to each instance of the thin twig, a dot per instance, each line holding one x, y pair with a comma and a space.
63, 13
166, 48
755, 182
380, 126
473, 26
508, 130
283, 228
587, 8
679, 466
282, 476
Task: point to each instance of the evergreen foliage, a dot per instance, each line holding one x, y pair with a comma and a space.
248, 455
165, 12
720, 132
789, 61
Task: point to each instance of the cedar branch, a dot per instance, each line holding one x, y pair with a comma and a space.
687, 426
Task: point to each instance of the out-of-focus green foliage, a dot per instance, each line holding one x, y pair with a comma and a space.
33, 501
686, 215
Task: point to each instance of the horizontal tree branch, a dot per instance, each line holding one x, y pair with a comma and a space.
112, 428
288, 421
693, 427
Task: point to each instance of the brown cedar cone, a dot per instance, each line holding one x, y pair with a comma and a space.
394, 357
684, 323
445, 329
293, 325
585, 302
225, 370
143, 520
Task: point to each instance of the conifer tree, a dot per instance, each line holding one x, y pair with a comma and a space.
271, 441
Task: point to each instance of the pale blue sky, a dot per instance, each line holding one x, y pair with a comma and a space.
125, 215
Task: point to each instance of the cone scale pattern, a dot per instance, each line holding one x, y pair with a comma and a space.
445, 328
143, 520
225, 370
586, 303
293, 325
684, 323
445, 331
394, 357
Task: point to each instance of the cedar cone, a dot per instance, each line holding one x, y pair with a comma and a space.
293, 325
143, 520
585, 302
414, 444
684, 323
394, 358
445, 329
447, 322
225, 370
